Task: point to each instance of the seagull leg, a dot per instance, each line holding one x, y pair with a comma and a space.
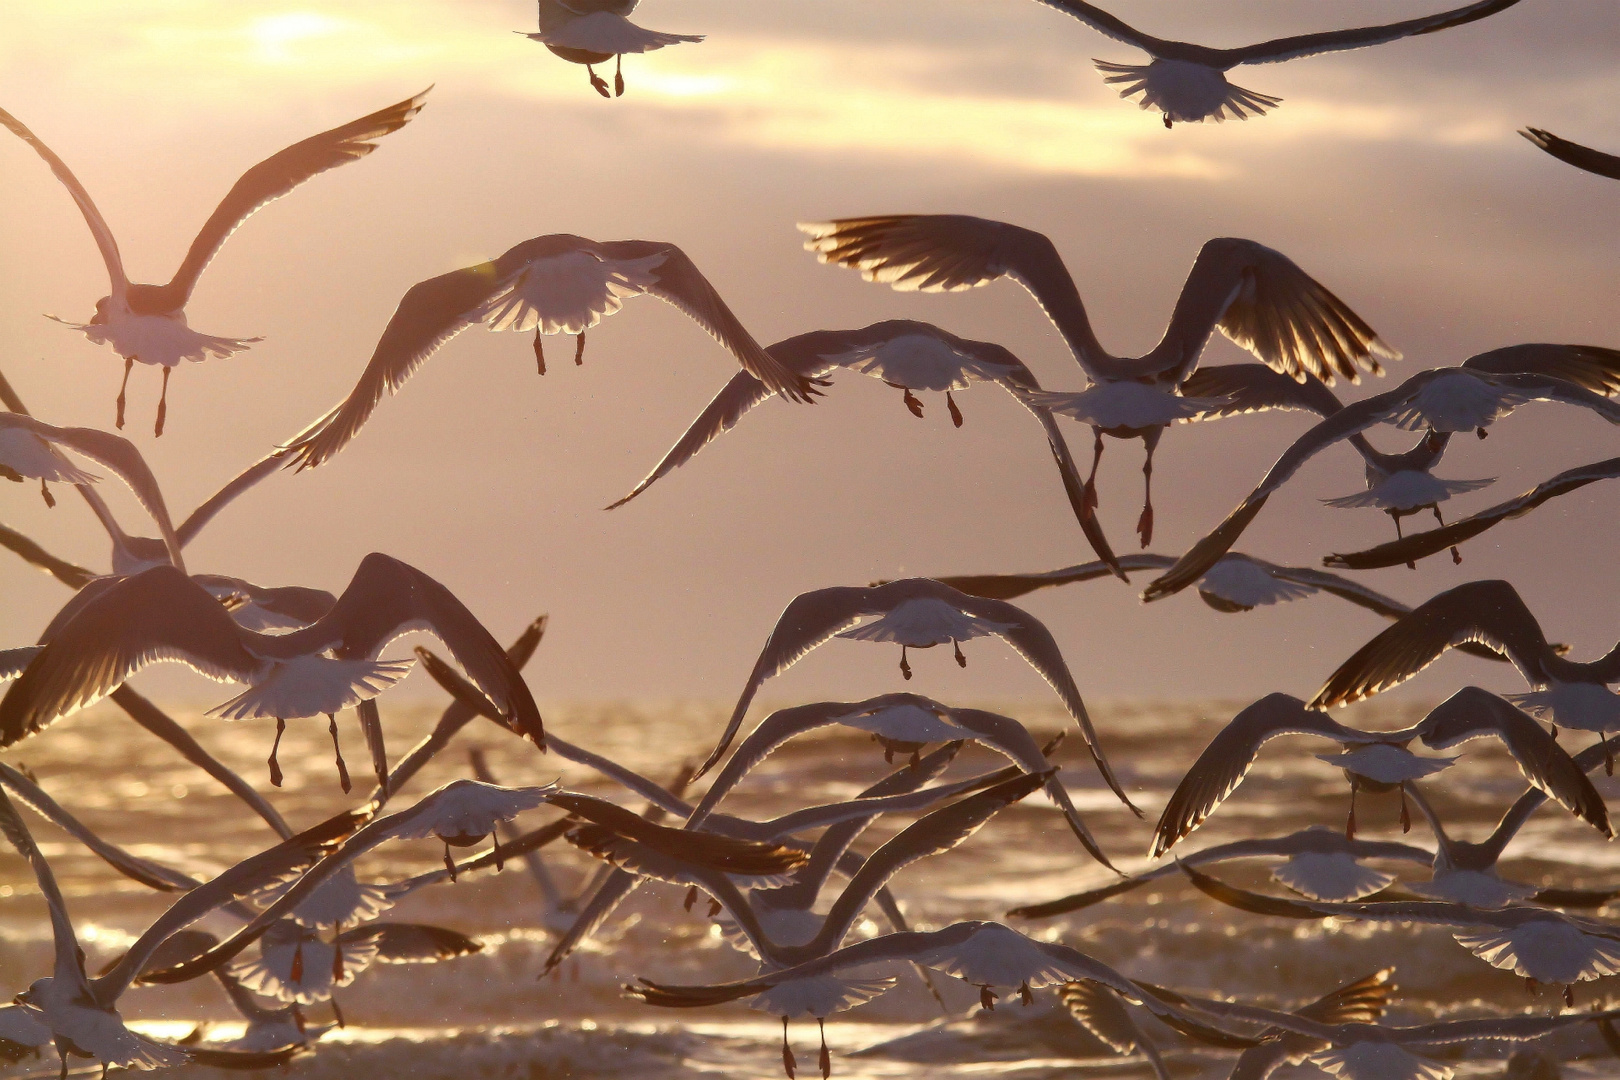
579, 350
597, 82
691, 898
1167, 121
337, 1013
1481, 432
1608, 754
45, 492
1096, 458
715, 907
163, 404
788, 1064
1026, 994
275, 767
337, 954
295, 970
1350, 822
122, 387
449, 863
1569, 995
618, 75
912, 403
950, 404
826, 1055
61, 1052
1406, 812
343, 770
987, 1000
539, 352
1144, 524
496, 853
1396, 518
905, 668
1456, 556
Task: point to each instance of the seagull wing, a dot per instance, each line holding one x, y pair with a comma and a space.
613, 891
931, 834
1582, 157
950, 252
1096, 1008
1252, 388
1265, 303
1591, 367
411, 943
1348, 421
1228, 758
158, 614
244, 878
1012, 586
69, 574
1106, 24
742, 393
189, 528
69, 967
1030, 639
387, 599
1291, 48
722, 853
1472, 713
278, 174
429, 314
116, 453
1489, 612
1417, 545
105, 241
809, 619
678, 281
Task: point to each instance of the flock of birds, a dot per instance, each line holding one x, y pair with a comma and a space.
303, 653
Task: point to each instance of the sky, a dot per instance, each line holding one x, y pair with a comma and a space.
1393, 175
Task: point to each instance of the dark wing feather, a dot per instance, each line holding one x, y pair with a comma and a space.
1582, 157
1227, 760
1291, 48
69, 574
707, 849
681, 283
159, 614
1104, 23
1489, 612
429, 314
1256, 388
411, 943
1012, 586
1418, 545
1591, 367
278, 174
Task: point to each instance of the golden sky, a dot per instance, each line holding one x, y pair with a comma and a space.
1394, 175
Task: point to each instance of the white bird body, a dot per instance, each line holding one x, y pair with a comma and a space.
568, 293
465, 811
31, 457
1185, 91
1246, 584
80, 1026
1125, 406
1458, 400
297, 966
1384, 763
924, 622
1552, 950
1378, 1061
1330, 875
1585, 706
920, 362
158, 339
820, 996
1478, 888
311, 685
907, 722
341, 900
1407, 490
608, 34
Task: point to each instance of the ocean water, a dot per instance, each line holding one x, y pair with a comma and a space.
487, 1015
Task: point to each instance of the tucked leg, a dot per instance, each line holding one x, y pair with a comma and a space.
539, 352
950, 405
1456, 556
343, 770
123, 387
1144, 524
597, 82
912, 403
163, 403
1096, 458
905, 668
45, 492
618, 75
275, 767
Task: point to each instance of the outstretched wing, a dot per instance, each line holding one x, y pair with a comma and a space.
1227, 760
1251, 388
1582, 157
278, 174
1591, 367
678, 281
1106, 24
1417, 545
1489, 612
105, 241
1291, 48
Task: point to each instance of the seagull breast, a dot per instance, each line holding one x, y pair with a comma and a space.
1244, 584
32, 458
568, 293
1580, 705
1384, 763
1124, 405
1408, 489
1456, 401
1549, 950
1334, 876
923, 622
907, 723
312, 685
917, 362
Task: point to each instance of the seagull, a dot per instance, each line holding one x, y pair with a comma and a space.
1379, 761
1567, 693
724, 853
162, 614
1319, 864
1099, 1011
904, 354
1403, 484
148, 322
1256, 296
917, 613
1465, 873
1417, 545
901, 723
28, 451
1446, 400
1582, 157
552, 285
79, 1012
1187, 82
1544, 946
593, 32
297, 966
